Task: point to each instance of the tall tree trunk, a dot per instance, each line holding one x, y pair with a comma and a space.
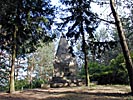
126, 52
86, 70
12, 74
87, 79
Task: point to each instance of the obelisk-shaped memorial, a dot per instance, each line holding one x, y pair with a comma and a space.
65, 65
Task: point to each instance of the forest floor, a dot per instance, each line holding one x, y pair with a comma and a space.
97, 92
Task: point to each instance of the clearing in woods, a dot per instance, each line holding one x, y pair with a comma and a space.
97, 92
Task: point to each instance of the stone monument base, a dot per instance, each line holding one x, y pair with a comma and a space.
57, 82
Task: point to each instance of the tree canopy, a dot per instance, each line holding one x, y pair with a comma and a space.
24, 24
32, 18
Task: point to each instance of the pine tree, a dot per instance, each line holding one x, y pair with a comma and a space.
23, 24
81, 23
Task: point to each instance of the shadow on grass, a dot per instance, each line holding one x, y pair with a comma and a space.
65, 95
79, 95
8, 97
91, 96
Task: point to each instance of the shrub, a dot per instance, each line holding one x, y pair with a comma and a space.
114, 73
24, 84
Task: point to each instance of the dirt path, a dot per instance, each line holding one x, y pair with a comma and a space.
115, 92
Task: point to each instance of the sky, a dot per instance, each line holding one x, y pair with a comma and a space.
55, 2
101, 11
104, 12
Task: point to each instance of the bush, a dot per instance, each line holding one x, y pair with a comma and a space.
24, 84
37, 83
4, 87
21, 84
114, 73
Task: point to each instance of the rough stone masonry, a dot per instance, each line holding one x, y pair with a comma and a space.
65, 66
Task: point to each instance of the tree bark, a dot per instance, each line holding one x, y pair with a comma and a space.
126, 52
12, 74
87, 79
86, 70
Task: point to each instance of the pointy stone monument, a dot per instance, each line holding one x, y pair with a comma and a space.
65, 66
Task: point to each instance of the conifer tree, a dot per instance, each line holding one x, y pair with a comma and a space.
24, 23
